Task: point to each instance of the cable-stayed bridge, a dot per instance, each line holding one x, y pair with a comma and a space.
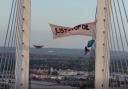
111, 50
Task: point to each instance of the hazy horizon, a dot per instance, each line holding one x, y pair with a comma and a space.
61, 12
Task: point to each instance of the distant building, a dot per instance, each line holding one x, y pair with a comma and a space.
67, 72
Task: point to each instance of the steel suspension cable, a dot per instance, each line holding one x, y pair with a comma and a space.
10, 43
122, 23
122, 44
112, 35
118, 61
115, 31
120, 37
124, 53
126, 15
2, 55
4, 60
12, 67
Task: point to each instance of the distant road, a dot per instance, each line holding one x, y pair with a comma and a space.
48, 85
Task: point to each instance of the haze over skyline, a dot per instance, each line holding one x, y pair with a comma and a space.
59, 12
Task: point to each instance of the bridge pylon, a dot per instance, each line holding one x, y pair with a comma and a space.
22, 57
101, 62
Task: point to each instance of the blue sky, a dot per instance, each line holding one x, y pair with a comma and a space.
61, 12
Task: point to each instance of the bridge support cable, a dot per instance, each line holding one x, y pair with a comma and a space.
118, 43
123, 39
116, 48
18, 26
120, 62
2, 55
111, 37
13, 41
6, 54
11, 57
124, 7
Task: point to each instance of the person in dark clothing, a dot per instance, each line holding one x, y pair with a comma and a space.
86, 50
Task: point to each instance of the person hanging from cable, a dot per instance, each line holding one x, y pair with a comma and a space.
90, 44
86, 50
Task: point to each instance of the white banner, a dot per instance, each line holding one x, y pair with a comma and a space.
82, 29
